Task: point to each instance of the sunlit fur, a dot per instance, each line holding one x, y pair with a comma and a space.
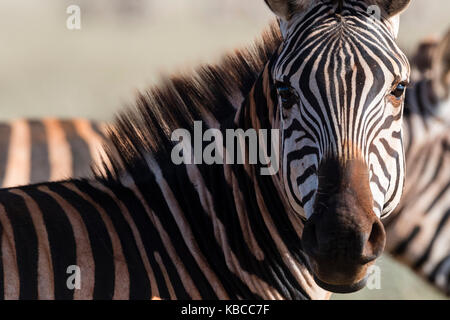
48, 149
343, 66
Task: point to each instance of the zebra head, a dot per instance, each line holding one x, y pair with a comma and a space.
341, 79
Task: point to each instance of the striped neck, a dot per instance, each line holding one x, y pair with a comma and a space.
272, 231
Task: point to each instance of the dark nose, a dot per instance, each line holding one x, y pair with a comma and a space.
344, 234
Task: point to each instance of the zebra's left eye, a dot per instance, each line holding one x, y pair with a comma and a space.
287, 94
399, 90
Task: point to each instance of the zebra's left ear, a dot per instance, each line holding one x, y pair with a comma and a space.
393, 8
441, 68
285, 9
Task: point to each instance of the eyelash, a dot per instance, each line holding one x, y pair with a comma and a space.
399, 90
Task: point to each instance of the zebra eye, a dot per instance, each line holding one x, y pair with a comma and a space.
399, 90
286, 93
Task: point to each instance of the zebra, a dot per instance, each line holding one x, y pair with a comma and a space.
419, 229
422, 59
89, 139
150, 228
84, 154
48, 149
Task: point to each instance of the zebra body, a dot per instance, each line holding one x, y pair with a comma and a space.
48, 150
131, 247
152, 228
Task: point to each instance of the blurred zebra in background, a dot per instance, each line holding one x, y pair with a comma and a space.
33, 151
419, 229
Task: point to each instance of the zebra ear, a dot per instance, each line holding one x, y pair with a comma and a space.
391, 10
441, 68
284, 9
393, 7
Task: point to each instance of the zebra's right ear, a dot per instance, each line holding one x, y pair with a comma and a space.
285, 9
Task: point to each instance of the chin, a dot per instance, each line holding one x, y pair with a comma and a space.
342, 280
342, 288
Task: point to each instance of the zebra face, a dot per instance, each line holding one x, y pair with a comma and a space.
341, 80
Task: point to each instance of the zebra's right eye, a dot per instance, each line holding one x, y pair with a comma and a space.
399, 90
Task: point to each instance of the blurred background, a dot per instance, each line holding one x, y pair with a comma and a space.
126, 45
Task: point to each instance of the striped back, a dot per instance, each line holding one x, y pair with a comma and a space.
48, 150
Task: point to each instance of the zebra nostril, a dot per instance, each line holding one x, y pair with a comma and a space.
375, 243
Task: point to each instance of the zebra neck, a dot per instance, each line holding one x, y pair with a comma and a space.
269, 233
224, 229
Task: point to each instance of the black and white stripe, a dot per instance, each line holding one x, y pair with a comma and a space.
39, 150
